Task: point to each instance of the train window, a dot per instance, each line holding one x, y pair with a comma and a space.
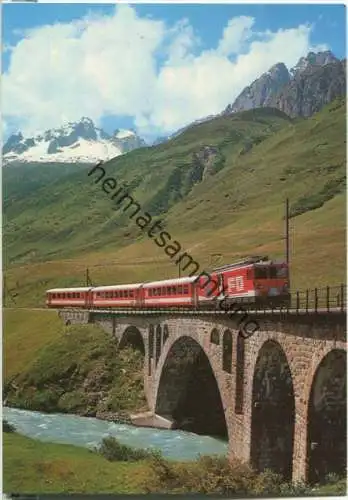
163, 290
180, 289
98, 294
173, 290
69, 295
126, 294
131, 294
53, 295
169, 290
186, 290
261, 273
272, 272
278, 272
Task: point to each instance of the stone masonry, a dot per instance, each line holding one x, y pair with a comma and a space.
295, 346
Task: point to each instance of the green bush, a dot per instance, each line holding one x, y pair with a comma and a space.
7, 427
72, 402
207, 475
113, 450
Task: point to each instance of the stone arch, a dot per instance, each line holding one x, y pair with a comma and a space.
215, 337
151, 344
188, 392
273, 411
240, 365
227, 351
132, 337
327, 417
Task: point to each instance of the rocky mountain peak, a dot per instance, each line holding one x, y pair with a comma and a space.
311, 60
72, 142
314, 81
257, 93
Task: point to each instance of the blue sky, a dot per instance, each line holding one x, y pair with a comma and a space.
175, 54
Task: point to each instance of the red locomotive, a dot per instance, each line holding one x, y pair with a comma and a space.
255, 281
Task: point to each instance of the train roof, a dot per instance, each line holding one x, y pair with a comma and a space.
116, 287
75, 289
173, 281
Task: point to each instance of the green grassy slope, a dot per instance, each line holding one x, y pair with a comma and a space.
34, 467
55, 231
52, 367
60, 215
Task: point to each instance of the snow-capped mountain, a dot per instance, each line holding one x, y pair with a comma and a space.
74, 142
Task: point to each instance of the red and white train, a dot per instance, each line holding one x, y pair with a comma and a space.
256, 281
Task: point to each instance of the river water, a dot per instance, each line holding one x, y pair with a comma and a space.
88, 432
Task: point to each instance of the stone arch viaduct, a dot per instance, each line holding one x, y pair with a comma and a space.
279, 396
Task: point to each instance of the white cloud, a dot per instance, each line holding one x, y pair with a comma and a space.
125, 64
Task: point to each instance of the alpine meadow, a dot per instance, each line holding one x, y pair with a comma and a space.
218, 187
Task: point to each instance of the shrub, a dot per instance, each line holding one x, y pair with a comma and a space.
207, 475
7, 427
113, 450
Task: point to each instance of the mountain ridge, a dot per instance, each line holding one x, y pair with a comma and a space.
316, 80
73, 142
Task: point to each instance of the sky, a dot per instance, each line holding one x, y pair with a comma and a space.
151, 67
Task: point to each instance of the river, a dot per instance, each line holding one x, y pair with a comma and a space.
88, 432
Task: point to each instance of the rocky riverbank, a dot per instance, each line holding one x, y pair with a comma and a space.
83, 373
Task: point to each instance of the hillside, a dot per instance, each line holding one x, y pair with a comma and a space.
219, 187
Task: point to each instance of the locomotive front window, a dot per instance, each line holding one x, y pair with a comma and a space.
280, 272
261, 273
